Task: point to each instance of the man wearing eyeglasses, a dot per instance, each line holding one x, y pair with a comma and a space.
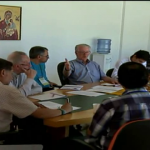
82, 70
38, 57
23, 75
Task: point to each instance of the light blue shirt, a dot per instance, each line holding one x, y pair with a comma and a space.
81, 73
41, 73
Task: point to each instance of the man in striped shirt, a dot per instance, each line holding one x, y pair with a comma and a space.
134, 104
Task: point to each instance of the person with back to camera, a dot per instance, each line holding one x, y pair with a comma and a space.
133, 104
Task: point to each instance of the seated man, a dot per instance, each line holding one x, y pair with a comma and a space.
39, 56
23, 75
134, 104
140, 56
12, 102
82, 70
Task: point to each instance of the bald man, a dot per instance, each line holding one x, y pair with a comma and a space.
23, 75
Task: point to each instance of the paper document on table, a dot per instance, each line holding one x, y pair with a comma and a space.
100, 90
86, 93
110, 84
48, 96
53, 105
72, 87
107, 88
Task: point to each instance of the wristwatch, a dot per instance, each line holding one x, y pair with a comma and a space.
63, 112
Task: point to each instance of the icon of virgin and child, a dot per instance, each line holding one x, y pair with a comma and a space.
8, 30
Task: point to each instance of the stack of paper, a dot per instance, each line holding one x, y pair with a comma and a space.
53, 105
104, 89
72, 87
86, 93
100, 90
110, 84
107, 88
48, 96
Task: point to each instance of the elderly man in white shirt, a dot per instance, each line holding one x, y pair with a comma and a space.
23, 75
140, 56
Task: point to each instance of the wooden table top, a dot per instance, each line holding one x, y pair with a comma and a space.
75, 117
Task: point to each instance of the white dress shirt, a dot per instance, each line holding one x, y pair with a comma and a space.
119, 63
25, 85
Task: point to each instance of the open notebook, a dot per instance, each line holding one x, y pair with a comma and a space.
72, 87
53, 105
48, 96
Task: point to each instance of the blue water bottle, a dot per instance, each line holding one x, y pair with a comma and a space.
103, 46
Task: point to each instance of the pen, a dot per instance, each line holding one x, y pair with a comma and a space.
53, 95
68, 101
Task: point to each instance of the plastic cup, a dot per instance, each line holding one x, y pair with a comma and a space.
95, 107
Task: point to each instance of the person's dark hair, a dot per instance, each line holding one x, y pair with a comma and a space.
133, 75
4, 64
142, 54
36, 50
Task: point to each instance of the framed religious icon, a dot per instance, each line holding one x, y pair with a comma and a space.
10, 22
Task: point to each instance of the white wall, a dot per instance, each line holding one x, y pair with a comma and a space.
59, 26
136, 27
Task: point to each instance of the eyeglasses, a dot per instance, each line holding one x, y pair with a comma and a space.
45, 56
28, 64
85, 52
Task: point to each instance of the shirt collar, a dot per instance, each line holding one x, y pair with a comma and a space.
129, 59
14, 74
82, 61
129, 91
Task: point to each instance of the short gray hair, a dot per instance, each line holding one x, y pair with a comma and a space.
16, 56
76, 47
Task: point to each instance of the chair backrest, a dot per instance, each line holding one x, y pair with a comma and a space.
60, 68
109, 72
134, 135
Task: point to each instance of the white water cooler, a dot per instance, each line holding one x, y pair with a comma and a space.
104, 60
